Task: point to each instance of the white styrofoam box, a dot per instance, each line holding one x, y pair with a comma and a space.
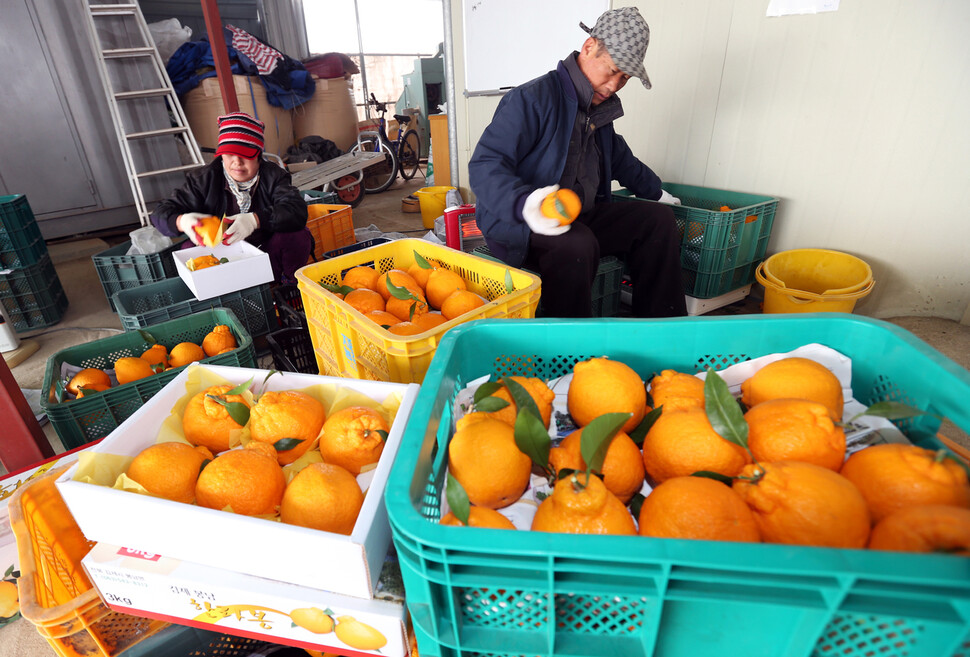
214, 599
247, 266
260, 547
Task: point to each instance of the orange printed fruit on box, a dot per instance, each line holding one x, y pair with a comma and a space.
563, 205
800, 503
540, 393
583, 506
795, 430
89, 377
925, 528
354, 438
322, 496
184, 353
168, 470
602, 385
893, 476
697, 508
460, 302
622, 470
683, 442
479, 516
206, 420
202, 262
794, 378
289, 415
218, 340
208, 230
132, 368
248, 482
484, 458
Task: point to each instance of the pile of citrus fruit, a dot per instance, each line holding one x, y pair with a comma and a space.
277, 455
408, 302
157, 358
771, 468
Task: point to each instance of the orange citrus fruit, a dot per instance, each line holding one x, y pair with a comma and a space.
354, 437
156, 356
168, 470
563, 204
406, 309
206, 421
132, 368
684, 442
202, 262
676, 391
88, 378
365, 300
9, 599
208, 230
322, 496
537, 389
184, 353
795, 430
405, 328
441, 283
485, 460
429, 320
804, 504
893, 476
360, 277
794, 378
697, 508
382, 317
926, 528
218, 340
581, 506
622, 471
421, 274
91, 388
248, 482
398, 278
286, 414
460, 302
602, 385
479, 516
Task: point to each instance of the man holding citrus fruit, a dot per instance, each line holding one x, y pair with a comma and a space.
542, 174
256, 198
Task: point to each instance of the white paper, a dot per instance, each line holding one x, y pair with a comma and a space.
797, 7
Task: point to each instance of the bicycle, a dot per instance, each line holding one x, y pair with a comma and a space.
401, 155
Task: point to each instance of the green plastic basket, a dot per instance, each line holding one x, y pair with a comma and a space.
720, 251
150, 304
80, 421
33, 295
485, 591
21, 243
119, 271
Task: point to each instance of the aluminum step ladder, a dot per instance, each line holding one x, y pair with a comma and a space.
156, 141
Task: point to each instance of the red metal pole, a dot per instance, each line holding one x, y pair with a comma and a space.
217, 41
22, 441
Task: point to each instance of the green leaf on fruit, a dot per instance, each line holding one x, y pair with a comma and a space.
532, 438
421, 262
636, 502
597, 436
147, 337
487, 389
286, 444
457, 499
491, 404
723, 411
717, 476
509, 287
891, 411
238, 411
399, 292
337, 289
641, 430
523, 400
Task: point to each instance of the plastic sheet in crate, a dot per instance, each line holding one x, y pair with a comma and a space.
33, 296
21, 243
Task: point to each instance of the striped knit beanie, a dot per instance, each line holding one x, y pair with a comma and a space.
240, 134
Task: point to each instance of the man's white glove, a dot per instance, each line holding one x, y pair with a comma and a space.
667, 197
187, 222
538, 222
239, 227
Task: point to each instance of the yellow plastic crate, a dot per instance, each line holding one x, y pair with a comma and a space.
332, 227
55, 593
348, 344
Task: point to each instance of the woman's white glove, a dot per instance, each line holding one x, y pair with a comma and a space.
239, 227
187, 223
667, 197
538, 222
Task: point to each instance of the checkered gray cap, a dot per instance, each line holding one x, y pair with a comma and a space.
625, 35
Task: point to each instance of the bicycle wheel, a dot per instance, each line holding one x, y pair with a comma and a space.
380, 175
409, 154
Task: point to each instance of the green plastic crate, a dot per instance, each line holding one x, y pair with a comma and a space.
80, 421
150, 304
606, 285
506, 592
21, 243
33, 296
719, 250
119, 271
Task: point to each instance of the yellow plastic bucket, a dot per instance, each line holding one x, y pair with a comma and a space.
813, 280
432, 202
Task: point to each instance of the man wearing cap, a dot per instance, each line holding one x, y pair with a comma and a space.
557, 131
256, 197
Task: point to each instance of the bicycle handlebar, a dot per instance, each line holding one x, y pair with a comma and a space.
378, 105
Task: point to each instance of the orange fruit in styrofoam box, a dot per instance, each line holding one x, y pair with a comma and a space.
365, 300
441, 284
697, 508
206, 421
131, 368
202, 262
249, 482
398, 278
622, 467
360, 276
353, 438
168, 470
460, 302
583, 505
479, 516
286, 414
88, 378
322, 496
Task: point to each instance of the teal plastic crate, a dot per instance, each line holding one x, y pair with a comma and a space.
606, 284
80, 421
119, 271
719, 250
150, 304
33, 296
21, 243
500, 592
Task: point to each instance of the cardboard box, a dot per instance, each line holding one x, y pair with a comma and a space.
264, 548
247, 267
214, 599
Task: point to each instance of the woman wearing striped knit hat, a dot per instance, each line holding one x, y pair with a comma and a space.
256, 197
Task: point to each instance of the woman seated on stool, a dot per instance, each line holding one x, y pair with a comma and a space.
257, 199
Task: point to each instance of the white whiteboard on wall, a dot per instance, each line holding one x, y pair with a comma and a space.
508, 42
